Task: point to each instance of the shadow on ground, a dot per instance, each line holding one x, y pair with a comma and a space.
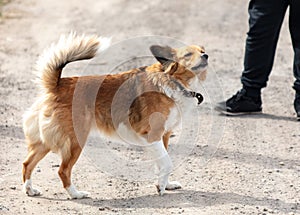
189, 198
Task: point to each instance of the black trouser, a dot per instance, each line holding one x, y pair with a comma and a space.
265, 20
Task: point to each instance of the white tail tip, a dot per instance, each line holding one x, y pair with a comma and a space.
104, 43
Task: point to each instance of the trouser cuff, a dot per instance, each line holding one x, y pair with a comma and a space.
252, 92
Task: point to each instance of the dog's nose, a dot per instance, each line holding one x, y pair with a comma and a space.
205, 56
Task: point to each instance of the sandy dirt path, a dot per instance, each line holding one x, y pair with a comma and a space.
243, 165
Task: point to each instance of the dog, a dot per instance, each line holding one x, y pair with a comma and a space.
146, 106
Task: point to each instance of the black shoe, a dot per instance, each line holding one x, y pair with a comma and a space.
297, 105
240, 104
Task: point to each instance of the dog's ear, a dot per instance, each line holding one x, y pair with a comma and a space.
164, 54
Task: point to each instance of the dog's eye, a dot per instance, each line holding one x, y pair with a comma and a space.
202, 49
188, 54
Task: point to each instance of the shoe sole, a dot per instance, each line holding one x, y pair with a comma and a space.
242, 113
238, 113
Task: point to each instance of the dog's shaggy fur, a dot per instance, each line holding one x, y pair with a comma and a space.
141, 102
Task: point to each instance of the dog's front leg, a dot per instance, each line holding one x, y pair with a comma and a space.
164, 164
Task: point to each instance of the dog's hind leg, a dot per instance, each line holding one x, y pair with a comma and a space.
36, 152
65, 170
166, 138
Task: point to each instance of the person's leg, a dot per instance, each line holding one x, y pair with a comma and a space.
265, 20
294, 25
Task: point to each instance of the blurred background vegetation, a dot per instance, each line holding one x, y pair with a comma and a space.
3, 2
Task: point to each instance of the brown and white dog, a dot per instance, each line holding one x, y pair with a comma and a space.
146, 106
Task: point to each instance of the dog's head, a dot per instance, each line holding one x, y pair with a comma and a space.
185, 64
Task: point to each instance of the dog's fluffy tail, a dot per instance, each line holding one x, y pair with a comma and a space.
68, 49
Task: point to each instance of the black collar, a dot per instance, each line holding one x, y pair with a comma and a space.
188, 93
194, 95
185, 92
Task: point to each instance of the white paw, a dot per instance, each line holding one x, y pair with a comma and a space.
160, 189
162, 192
75, 194
173, 185
29, 190
80, 195
33, 192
